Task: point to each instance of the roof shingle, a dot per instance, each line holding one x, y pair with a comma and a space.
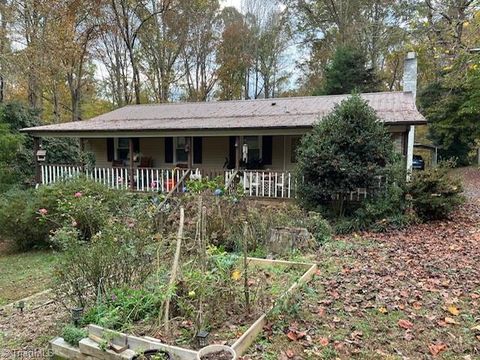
293, 112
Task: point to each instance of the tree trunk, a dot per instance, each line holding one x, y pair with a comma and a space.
284, 239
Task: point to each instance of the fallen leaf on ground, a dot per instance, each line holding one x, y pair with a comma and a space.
236, 275
450, 321
292, 336
436, 349
417, 305
452, 309
290, 354
405, 324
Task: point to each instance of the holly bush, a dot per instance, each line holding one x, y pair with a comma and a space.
347, 149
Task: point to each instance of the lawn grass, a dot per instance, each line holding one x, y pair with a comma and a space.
24, 274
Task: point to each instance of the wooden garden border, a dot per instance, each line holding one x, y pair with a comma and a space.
89, 350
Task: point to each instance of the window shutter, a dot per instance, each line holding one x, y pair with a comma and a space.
197, 150
232, 153
110, 149
136, 145
169, 150
267, 149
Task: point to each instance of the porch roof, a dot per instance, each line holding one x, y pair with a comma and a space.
393, 108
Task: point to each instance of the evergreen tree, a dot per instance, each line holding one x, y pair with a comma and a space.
452, 111
348, 72
346, 150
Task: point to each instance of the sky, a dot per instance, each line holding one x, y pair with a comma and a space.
236, 3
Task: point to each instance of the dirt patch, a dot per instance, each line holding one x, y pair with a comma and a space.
220, 355
28, 332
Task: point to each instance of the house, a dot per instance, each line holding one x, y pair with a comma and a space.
254, 138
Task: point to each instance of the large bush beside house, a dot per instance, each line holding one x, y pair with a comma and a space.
347, 149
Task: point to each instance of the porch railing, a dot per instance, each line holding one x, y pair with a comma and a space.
254, 183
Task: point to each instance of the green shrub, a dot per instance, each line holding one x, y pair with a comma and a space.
124, 306
27, 217
387, 208
318, 227
346, 150
435, 193
73, 335
19, 220
121, 254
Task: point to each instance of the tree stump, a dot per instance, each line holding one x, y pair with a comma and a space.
284, 239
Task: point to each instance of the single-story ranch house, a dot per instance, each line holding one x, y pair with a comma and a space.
255, 139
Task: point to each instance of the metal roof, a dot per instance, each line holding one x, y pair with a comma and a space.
396, 108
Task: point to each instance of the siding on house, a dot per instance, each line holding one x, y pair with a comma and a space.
215, 149
214, 152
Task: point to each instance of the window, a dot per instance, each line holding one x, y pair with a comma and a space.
254, 148
181, 156
123, 148
295, 142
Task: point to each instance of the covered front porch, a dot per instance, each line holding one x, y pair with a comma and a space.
256, 183
258, 165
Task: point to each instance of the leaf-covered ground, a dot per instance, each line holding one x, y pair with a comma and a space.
409, 294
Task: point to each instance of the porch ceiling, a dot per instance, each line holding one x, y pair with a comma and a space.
272, 116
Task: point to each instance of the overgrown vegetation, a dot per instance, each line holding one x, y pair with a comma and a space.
117, 250
350, 149
27, 217
16, 149
435, 193
72, 335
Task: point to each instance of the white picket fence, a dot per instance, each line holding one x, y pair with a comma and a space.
271, 184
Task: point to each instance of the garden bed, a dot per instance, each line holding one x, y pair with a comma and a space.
269, 282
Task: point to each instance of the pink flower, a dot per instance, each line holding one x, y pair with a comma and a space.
78, 194
43, 211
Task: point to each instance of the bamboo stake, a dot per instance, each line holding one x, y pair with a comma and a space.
203, 259
245, 266
176, 260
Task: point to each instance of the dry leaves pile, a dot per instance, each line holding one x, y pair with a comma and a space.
412, 294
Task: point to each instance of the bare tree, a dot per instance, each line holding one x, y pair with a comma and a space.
112, 53
270, 38
199, 55
163, 39
130, 18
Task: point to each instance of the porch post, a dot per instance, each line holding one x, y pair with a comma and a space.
36, 147
190, 152
237, 152
131, 164
82, 153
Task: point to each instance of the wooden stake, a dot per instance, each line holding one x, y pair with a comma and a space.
245, 266
202, 260
176, 260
